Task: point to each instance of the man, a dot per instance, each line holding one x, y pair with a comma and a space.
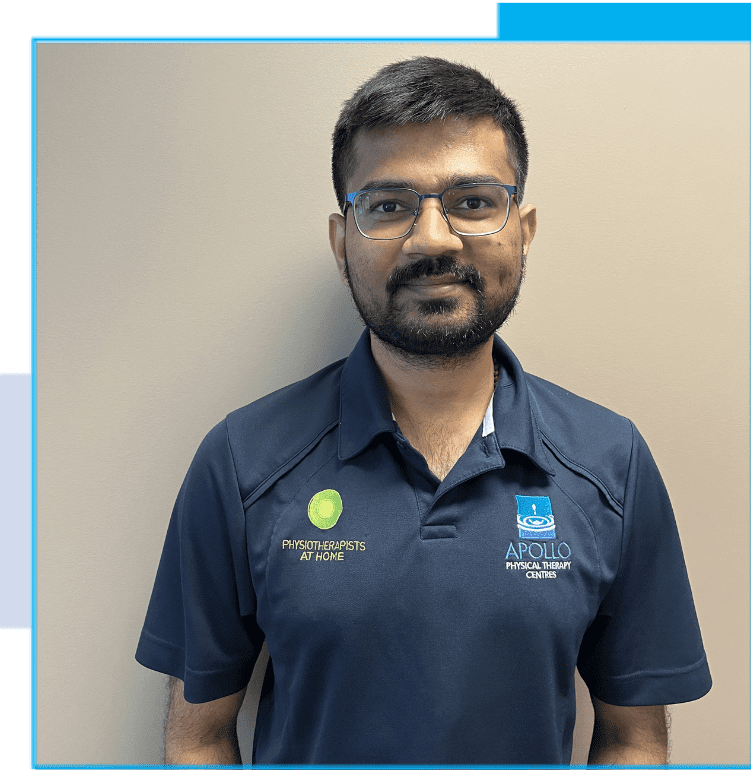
429, 539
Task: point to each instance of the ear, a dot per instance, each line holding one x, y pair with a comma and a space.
337, 229
528, 219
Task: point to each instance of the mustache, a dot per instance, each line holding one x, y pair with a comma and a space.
438, 266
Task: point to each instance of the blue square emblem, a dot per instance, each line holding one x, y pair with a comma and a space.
534, 517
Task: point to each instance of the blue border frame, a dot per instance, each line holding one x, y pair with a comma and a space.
625, 22
553, 22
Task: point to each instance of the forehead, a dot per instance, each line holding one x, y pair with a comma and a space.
431, 155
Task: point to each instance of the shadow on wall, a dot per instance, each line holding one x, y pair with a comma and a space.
340, 326
320, 325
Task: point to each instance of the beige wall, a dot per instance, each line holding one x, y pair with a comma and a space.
184, 270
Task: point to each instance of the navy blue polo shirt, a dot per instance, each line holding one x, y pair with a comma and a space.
417, 621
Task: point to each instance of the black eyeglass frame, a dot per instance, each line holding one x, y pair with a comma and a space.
350, 200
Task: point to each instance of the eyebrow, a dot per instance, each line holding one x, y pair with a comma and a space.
444, 183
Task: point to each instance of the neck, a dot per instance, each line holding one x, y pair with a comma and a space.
426, 388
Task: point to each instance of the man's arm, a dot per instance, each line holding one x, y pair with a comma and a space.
628, 736
201, 734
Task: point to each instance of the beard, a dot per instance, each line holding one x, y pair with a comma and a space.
428, 333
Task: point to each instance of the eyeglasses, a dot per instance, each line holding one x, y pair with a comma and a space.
387, 213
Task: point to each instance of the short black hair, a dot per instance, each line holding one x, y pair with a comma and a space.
422, 90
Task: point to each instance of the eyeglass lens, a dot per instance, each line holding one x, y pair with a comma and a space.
470, 209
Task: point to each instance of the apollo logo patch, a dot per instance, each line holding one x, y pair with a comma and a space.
534, 517
324, 509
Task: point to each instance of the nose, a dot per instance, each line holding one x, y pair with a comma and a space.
431, 233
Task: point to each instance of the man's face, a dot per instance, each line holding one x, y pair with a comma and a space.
433, 292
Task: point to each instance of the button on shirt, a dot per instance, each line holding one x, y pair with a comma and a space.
417, 621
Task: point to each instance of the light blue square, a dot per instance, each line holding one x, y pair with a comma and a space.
15, 484
534, 517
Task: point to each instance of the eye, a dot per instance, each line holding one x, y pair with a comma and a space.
387, 203
472, 203
387, 207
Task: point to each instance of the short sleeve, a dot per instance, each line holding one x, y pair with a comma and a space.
644, 647
200, 625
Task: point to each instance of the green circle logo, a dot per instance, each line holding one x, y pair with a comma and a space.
324, 509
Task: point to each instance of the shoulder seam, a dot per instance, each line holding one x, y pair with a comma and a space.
584, 471
589, 524
260, 488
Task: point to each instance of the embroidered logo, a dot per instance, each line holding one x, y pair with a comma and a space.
534, 517
324, 509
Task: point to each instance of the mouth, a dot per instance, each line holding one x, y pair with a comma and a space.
434, 286
427, 281
433, 276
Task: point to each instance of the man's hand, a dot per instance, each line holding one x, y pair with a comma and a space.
201, 734
628, 736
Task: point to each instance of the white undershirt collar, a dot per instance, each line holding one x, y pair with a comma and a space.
488, 424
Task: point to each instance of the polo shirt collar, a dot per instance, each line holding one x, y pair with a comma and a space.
515, 425
365, 411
